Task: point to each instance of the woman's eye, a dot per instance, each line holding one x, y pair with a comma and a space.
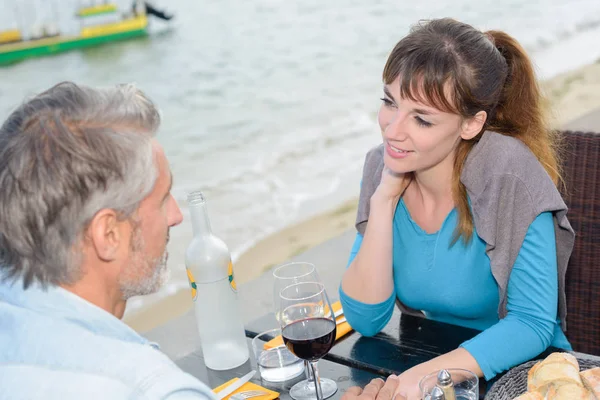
422, 122
387, 102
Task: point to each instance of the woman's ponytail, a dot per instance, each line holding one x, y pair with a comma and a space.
520, 110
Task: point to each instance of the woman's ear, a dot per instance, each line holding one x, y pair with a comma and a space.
473, 125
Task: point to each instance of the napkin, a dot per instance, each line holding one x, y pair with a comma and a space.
248, 386
342, 329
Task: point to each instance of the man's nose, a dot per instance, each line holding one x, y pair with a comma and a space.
176, 216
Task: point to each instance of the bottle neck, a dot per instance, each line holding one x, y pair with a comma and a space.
199, 214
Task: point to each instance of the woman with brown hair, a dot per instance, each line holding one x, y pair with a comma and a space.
460, 219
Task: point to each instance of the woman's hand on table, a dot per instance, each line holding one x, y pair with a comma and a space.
408, 385
377, 389
408, 381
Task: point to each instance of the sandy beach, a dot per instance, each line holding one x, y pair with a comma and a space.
574, 94
571, 95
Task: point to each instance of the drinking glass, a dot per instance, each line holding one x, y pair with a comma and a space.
308, 328
276, 364
288, 274
466, 384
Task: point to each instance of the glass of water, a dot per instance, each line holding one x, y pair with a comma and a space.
275, 364
466, 384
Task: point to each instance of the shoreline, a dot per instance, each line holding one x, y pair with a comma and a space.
570, 96
289, 242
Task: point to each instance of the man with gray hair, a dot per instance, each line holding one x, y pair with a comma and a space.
85, 212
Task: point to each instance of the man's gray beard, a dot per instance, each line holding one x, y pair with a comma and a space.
143, 276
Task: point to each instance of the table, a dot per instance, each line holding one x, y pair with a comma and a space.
405, 342
354, 360
344, 376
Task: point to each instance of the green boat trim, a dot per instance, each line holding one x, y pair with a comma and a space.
63, 44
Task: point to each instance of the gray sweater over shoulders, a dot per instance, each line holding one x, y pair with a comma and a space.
508, 188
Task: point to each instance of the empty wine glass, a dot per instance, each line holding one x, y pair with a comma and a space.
308, 328
288, 274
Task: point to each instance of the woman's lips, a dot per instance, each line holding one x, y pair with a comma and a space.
396, 152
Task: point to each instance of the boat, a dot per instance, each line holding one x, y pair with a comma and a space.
97, 24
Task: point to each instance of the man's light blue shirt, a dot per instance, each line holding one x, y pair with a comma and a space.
56, 345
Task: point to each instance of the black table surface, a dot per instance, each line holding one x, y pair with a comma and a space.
355, 359
343, 375
405, 342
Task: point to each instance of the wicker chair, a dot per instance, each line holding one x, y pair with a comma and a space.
582, 178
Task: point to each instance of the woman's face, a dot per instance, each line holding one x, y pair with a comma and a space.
417, 137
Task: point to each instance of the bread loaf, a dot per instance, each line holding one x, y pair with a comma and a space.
591, 380
557, 369
570, 391
530, 396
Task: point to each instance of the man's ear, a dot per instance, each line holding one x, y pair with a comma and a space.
106, 235
472, 126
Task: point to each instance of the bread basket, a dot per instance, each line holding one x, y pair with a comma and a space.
514, 382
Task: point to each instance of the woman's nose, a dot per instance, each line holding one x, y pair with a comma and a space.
396, 127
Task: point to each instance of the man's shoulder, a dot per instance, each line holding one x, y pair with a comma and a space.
56, 352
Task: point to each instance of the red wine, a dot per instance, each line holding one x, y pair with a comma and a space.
310, 339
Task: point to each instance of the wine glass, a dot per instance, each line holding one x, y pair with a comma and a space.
308, 328
286, 275
290, 273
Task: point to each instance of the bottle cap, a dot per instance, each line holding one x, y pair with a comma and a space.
196, 197
444, 378
437, 394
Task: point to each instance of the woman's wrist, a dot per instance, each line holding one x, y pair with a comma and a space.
383, 198
383, 202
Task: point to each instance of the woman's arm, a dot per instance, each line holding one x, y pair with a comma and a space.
369, 277
528, 328
408, 386
366, 319
367, 290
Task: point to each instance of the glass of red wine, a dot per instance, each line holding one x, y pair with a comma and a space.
286, 275
308, 328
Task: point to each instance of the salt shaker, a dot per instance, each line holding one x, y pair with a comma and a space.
437, 394
445, 383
